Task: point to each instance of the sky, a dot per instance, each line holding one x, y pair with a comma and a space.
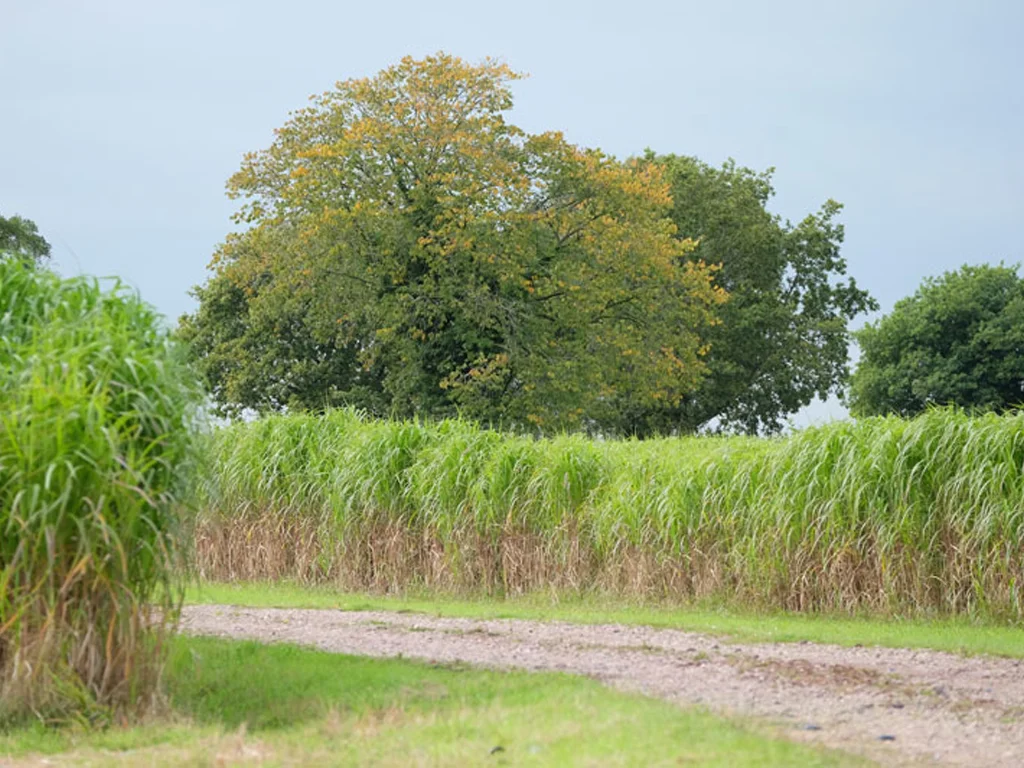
121, 120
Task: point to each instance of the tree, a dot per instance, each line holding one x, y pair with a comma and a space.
783, 335
410, 251
20, 237
959, 340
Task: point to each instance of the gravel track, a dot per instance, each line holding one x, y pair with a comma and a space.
897, 706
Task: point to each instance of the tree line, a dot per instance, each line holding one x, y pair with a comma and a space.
407, 250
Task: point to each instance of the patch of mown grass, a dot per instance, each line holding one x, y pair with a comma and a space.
246, 702
952, 635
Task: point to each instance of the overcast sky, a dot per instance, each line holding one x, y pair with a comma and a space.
120, 120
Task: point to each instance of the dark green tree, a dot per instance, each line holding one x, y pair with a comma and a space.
959, 340
783, 337
20, 237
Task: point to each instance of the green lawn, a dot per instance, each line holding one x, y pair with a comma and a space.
958, 636
241, 702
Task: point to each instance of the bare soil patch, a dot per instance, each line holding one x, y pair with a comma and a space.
900, 707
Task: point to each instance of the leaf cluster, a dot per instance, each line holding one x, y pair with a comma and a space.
959, 340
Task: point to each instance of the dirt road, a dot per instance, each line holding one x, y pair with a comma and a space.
895, 706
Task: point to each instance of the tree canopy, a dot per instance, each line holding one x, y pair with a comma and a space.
959, 340
411, 251
783, 337
20, 237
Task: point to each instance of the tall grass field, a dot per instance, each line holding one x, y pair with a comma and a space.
880, 515
96, 406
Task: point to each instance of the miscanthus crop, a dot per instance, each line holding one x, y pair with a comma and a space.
95, 414
882, 514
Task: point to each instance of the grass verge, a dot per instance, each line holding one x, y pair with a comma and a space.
255, 704
952, 635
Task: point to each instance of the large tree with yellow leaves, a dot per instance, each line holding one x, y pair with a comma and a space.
410, 251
